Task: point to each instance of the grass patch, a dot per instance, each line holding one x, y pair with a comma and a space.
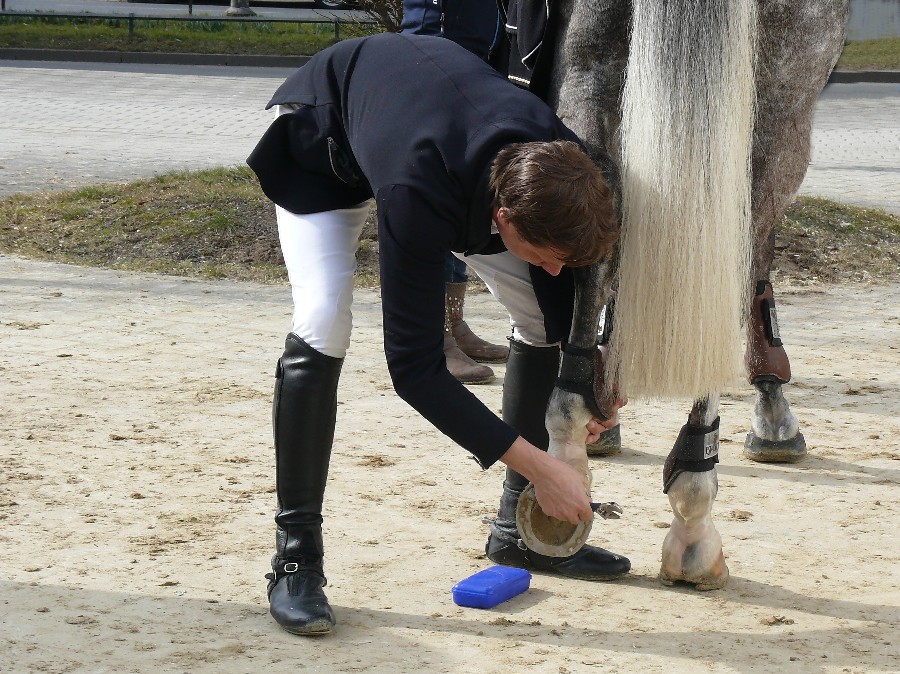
218, 224
213, 224
221, 36
213, 36
871, 55
824, 241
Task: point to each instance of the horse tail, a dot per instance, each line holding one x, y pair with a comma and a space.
687, 123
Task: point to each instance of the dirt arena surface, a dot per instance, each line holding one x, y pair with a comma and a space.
137, 494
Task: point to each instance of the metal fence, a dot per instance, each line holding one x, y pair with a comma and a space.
132, 17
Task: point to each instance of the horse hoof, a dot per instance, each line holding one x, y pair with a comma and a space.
609, 443
774, 451
713, 581
544, 534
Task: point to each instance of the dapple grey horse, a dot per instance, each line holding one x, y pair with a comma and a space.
700, 112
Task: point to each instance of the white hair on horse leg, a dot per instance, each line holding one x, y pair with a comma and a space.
688, 109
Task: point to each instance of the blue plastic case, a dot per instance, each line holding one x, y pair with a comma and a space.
491, 586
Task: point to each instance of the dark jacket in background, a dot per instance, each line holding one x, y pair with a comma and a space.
474, 24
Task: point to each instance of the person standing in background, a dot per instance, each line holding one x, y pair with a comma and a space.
476, 25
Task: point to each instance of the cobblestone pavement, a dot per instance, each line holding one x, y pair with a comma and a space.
856, 146
70, 125
66, 125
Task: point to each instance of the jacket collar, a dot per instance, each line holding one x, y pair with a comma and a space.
481, 237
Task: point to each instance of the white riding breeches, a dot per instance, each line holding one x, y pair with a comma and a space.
320, 255
508, 279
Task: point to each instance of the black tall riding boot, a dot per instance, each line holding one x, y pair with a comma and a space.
530, 376
303, 416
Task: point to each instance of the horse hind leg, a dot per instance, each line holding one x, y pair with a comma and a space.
692, 550
799, 45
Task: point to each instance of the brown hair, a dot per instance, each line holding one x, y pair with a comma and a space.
556, 197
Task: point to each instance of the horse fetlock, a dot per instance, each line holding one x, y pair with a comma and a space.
772, 418
566, 420
574, 454
696, 450
692, 496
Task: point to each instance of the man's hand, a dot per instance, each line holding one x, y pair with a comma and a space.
596, 427
561, 491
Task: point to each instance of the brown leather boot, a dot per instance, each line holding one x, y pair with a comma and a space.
468, 342
462, 367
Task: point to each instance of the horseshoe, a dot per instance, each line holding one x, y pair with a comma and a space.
549, 536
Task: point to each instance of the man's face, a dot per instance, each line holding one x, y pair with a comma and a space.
540, 256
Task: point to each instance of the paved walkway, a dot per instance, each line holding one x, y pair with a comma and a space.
66, 125
856, 146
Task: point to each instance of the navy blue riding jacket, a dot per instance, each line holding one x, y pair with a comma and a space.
416, 122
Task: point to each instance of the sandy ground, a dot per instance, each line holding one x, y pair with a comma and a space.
136, 501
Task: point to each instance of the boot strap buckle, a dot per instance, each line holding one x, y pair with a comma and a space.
502, 535
291, 567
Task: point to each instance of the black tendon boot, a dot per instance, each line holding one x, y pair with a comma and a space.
303, 416
530, 376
